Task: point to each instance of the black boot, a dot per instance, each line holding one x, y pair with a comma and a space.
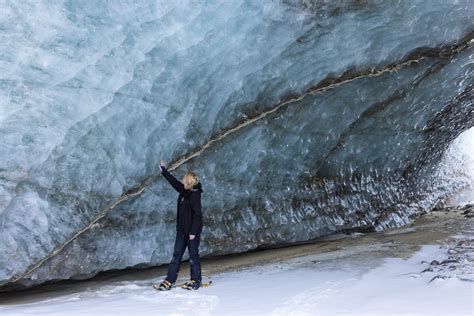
164, 286
192, 285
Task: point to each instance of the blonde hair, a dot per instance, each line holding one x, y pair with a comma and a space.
190, 179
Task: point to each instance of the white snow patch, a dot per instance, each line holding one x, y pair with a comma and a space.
460, 158
300, 286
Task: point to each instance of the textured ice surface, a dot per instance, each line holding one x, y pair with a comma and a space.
301, 118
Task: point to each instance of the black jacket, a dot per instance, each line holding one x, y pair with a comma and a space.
189, 215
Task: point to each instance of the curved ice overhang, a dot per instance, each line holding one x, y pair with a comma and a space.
301, 120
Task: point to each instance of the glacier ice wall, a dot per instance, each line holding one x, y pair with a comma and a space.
302, 118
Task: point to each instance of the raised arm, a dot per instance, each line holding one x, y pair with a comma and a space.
175, 183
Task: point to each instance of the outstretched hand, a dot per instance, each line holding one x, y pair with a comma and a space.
162, 163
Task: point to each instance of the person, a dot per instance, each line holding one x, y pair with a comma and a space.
188, 228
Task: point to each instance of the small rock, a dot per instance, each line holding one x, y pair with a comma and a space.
449, 261
463, 278
438, 277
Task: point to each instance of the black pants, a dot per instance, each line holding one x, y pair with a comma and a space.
182, 241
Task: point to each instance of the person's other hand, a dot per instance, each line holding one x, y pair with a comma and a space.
191, 237
162, 163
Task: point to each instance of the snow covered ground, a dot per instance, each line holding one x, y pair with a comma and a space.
281, 289
360, 279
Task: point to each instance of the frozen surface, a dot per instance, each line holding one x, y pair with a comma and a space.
302, 119
460, 159
354, 285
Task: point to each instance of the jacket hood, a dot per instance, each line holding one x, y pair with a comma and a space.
197, 187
